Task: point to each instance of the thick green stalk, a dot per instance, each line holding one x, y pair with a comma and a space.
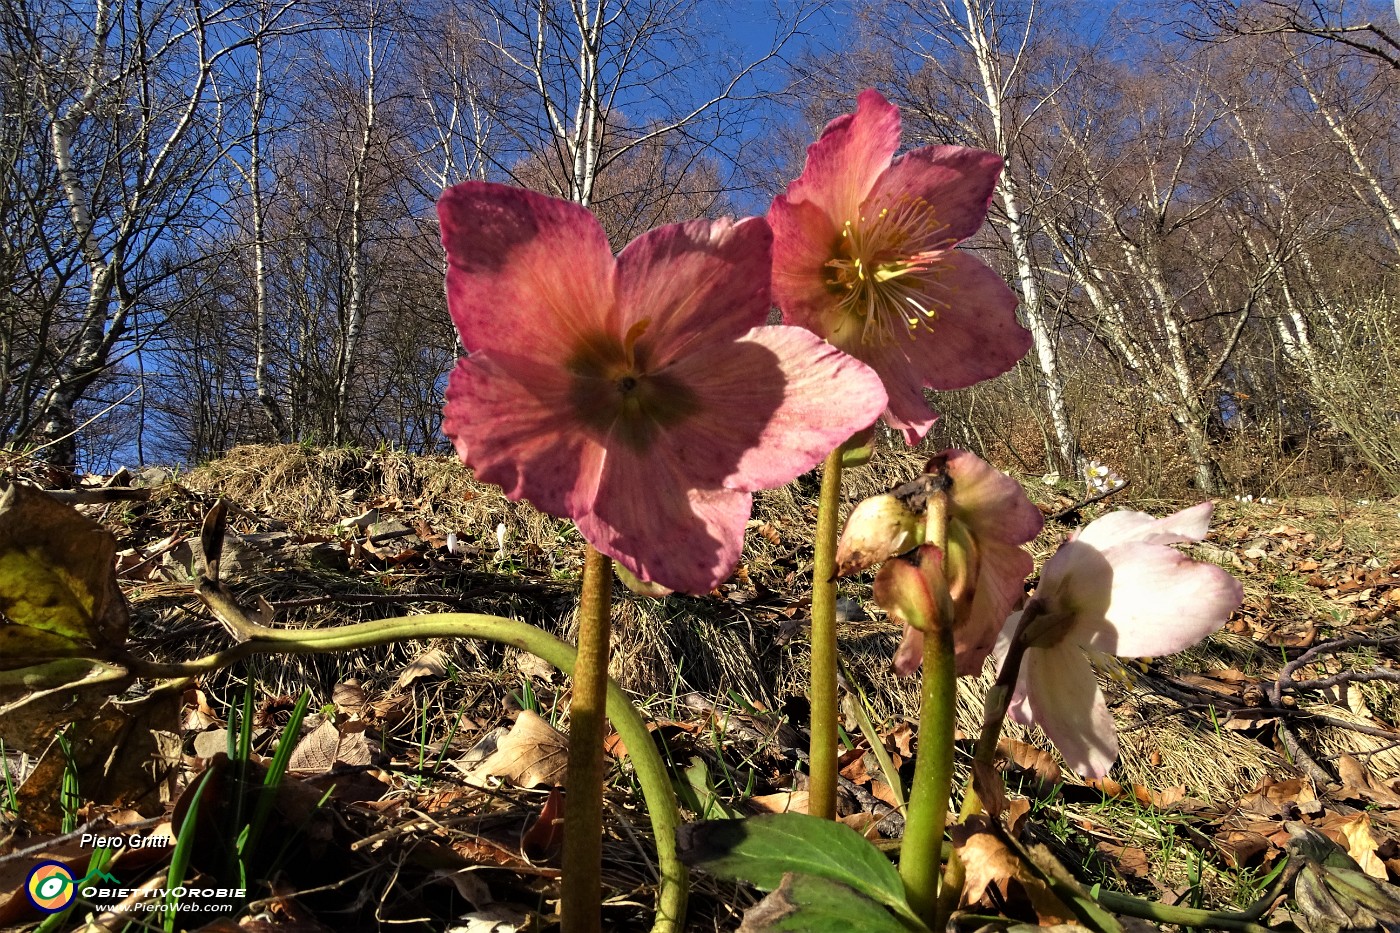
582, 879
822, 760
646, 760
920, 867
919, 863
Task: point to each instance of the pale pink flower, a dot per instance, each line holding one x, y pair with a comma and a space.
989, 518
1115, 588
863, 254
635, 394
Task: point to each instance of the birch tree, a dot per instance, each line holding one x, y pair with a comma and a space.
588, 83
993, 53
123, 91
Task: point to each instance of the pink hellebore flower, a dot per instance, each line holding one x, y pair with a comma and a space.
989, 518
1113, 588
863, 253
634, 394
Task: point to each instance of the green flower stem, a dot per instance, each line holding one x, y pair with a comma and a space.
646, 760
822, 761
1181, 916
582, 879
920, 867
919, 864
994, 711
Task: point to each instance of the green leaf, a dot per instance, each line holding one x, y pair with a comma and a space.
762, 849
816, 905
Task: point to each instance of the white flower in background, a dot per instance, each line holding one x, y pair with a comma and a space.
1099, 478
1115, 588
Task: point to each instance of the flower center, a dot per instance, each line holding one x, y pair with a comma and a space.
886, 270
615, 393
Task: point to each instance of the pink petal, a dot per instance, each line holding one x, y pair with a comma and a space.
1076, 583
647, 519
1161, 601
1192, 524
909, 656
1065, 701
803, 242
511, 421
515, 255
975, 337
697, 283
1018, 707
990, 503
1001, 583
844, 163
957, 183
768, 407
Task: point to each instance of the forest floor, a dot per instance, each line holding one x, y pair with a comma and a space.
416, 780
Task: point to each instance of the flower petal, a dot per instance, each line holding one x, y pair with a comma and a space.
647, 518
768, 407
1001, 583
1065, 700
844, 163
1076, 584
511, 422
976, 335
1160, 602
955, 182
697, 283
803, 235
1192, 524
909, 656
902, 589
516, 255
990, 503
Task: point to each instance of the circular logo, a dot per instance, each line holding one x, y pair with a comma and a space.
51, 886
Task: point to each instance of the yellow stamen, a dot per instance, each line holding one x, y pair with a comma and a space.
887, 269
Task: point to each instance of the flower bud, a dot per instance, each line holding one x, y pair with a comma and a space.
904, 588
879, 528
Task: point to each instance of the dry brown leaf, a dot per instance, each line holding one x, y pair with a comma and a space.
545, 836
349, 698
1132, 862
1359, 784
1361, 844
989, 862
792, 801
530, 754
1036, 760
430, 665
327, 746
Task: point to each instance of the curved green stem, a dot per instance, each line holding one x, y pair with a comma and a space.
1182, 916
822, 750
646, 760
582, 879
994, 711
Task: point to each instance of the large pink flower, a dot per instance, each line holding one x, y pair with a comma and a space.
634, 394
863, 253
1114, 588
